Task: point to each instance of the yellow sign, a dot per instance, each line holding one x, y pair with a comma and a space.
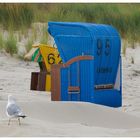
50, 56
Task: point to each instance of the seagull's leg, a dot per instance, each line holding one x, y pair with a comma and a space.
19, 121
9, 121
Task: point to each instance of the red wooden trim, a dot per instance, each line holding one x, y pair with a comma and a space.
78, 58
55, 83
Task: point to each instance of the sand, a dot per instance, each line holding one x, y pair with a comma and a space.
74, 119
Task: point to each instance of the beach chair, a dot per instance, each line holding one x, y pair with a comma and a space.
97, 80
45, 55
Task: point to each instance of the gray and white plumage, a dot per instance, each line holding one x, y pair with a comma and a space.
13, 110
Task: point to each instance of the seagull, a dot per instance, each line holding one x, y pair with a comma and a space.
13, 110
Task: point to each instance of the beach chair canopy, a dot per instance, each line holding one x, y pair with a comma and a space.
98, 40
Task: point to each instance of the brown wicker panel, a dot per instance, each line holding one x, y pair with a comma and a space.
34, 80
41, 81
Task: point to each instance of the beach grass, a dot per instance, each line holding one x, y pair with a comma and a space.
124, 17
10, 44
29, 44
1, 41
16, 15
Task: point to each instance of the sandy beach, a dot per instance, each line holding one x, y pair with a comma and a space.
74, 119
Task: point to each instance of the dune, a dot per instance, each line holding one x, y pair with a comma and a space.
74, 119
46, 118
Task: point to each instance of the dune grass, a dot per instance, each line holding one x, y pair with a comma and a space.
1, 41
124, 17
16, 15
29, 44
10, 44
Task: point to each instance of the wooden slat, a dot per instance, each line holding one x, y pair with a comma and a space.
71, 88
55, 83
34, 80
41, 81
108, 86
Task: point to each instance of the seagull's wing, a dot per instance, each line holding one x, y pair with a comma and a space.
13, 110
